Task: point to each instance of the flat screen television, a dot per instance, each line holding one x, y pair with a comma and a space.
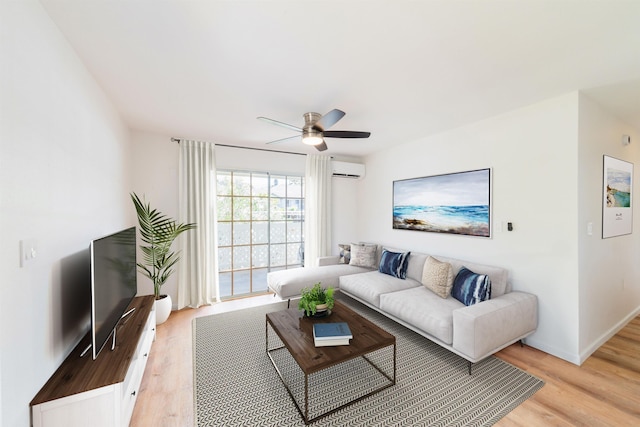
113, 283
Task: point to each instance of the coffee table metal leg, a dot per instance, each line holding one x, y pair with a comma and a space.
305, 414
394, 363
306, 399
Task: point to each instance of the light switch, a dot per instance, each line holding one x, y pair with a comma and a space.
28, 251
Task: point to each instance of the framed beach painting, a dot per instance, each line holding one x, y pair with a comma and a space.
455, 203
617, 207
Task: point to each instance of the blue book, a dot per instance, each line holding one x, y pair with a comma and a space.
331, 331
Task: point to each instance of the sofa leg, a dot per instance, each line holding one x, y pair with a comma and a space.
470, 366
288, 303
521, 343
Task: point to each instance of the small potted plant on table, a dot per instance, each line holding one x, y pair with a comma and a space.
316, 301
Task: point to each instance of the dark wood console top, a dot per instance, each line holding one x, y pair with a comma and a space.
79, 374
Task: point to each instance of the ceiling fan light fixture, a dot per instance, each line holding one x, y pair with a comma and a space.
315, 129
312, 137
312, 140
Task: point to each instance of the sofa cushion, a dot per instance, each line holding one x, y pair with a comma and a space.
394, 263
424, 310
345, 253
364, 255
470, 288
369, 286
437, 276
416, 265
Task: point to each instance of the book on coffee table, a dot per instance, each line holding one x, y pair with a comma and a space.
330, 334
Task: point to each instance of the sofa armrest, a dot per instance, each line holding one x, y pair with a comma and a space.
482, 329
328, 260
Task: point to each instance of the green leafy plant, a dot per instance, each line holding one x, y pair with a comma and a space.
158, 232
317, 295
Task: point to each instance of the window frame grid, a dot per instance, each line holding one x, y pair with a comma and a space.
231, 194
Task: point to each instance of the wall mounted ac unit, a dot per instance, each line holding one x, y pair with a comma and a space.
347, 169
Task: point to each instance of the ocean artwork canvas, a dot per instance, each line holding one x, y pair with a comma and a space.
618, 188
456, 203
617, 214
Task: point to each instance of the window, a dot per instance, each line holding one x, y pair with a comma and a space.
260, 228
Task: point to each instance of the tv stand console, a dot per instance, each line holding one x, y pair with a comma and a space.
100, 392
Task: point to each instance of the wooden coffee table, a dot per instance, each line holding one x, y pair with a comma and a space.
296, 333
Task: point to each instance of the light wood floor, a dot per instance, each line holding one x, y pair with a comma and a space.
604, 391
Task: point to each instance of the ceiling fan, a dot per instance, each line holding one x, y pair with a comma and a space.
314, 129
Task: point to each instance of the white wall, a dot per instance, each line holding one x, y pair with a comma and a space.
609, 269
345, 211
156, 178
533, 155
64, 180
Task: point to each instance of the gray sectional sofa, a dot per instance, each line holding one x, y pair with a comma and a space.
473, 332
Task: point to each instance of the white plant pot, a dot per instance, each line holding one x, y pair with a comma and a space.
163, 308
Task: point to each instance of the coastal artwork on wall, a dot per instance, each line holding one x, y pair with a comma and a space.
617, 209
455, 203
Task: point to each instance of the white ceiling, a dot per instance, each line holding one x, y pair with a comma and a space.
399, 69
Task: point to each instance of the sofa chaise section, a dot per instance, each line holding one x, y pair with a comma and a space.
288, 284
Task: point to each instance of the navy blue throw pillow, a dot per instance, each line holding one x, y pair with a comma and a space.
394, 263
470, 288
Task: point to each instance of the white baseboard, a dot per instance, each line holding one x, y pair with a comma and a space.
569, 357
584, 355
579, 358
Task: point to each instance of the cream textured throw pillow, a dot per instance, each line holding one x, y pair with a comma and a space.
364, 255
437, 276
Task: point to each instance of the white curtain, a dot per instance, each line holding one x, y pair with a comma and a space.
317, 221
198, 271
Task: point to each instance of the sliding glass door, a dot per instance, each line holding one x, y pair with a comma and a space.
260, 228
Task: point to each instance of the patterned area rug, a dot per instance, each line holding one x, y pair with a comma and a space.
236, 384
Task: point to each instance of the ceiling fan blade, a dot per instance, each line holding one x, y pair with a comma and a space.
330, 119
275, 122
345, 134
321, 147
283, 139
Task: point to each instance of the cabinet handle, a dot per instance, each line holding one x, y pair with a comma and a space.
134, 393
146, 354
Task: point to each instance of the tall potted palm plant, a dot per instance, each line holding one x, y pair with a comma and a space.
157, 232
